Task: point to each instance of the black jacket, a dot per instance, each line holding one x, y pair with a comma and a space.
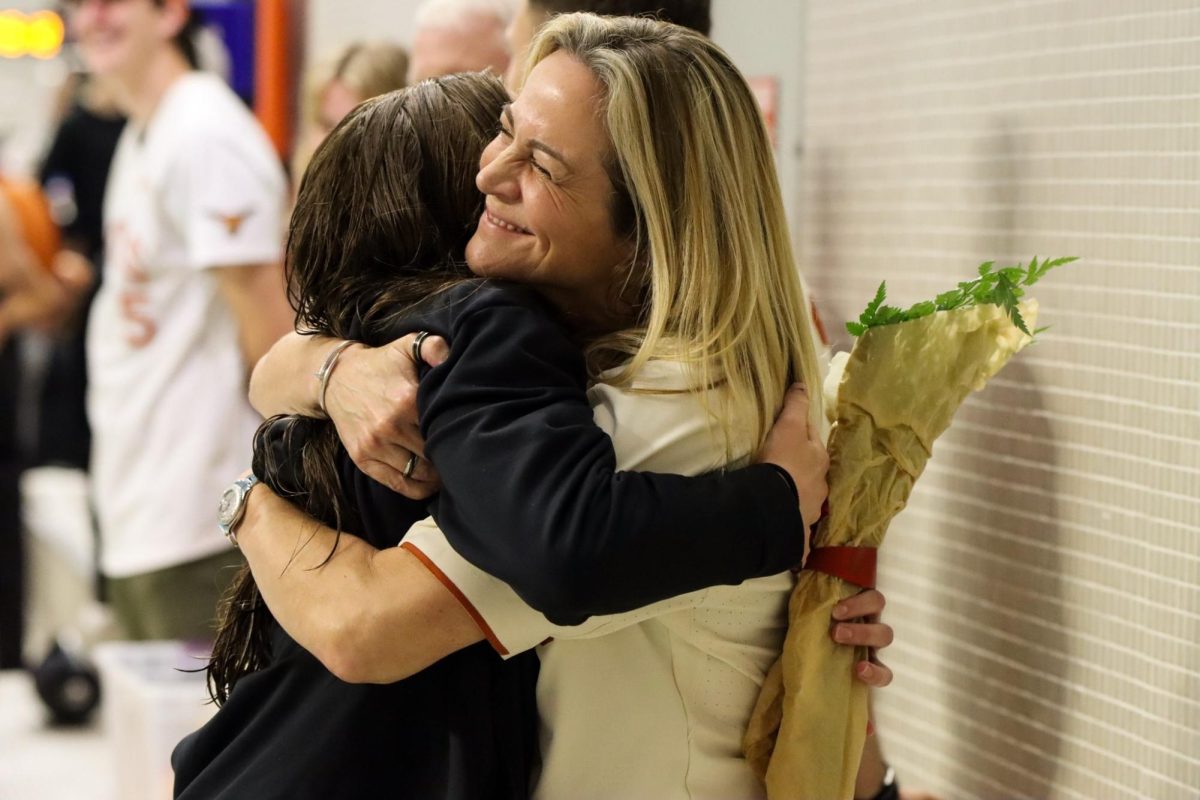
531, 496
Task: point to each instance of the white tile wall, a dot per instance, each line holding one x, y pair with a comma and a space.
1045, 580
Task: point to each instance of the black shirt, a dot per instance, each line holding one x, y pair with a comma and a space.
529, 488
75, 172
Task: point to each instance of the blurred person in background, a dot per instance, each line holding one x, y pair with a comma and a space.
74, 175
530, 15
54, 301
192, 296
12, 553
459, 36
363, 70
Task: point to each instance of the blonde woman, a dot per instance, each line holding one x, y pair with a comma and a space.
361, 71
632, 184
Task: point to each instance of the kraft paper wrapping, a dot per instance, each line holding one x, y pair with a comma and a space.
900, 388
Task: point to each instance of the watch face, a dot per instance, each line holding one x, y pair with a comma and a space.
228, 507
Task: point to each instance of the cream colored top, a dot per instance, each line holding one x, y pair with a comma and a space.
652, 703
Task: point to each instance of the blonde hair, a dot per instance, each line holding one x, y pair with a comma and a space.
695, 179
368, 69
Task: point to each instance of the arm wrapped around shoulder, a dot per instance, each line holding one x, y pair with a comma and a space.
531, 493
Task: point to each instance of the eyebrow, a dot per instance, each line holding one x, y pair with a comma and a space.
535, 144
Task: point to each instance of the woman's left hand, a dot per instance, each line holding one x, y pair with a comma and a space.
856, 623
371, 398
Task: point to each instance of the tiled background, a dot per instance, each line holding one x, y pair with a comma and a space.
1045, 580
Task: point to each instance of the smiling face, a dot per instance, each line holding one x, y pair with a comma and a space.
119, 38
548, 219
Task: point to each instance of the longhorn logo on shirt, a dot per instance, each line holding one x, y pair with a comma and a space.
134, 298
232, 222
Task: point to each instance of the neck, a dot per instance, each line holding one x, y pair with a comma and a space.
141, 90
587, 315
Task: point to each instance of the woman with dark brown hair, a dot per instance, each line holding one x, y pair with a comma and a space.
380, 223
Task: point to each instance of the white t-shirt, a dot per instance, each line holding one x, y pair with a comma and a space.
651, 704
198, 187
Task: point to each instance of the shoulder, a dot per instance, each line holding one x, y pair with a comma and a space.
203, 99
479, 294
201, 114
478, 302
502, 336
659, 422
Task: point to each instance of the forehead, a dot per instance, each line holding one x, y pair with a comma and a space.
443, 51
562, 104
112, 5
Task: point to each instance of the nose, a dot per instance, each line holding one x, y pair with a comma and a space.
87, 5
84, 12
496, 175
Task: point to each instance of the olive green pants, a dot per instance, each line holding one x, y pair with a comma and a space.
178, 602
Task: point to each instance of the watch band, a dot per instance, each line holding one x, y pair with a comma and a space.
241, 492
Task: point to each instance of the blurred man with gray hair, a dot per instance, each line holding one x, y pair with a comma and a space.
459, 36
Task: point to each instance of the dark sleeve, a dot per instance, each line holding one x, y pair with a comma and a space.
62, 162
531, 494
58, 159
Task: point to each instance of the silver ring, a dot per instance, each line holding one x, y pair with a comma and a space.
416, 345
410, 467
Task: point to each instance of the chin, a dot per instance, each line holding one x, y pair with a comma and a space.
103, 61
494, 271
481, 260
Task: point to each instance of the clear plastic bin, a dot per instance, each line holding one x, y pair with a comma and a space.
149, 704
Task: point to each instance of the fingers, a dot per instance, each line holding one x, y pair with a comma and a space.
73, 271
789, 442
372, 400
863, 634
797, 410
867, 603
421, 470
795, 407
390, 457
868, 632
433, 349
873, 673
412, 488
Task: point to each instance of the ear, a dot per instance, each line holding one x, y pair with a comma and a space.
172, 16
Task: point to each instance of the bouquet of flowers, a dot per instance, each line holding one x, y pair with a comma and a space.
894, 394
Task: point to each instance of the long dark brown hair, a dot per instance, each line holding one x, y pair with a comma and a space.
382, 219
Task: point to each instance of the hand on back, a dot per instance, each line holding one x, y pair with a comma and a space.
794, 443
372, 400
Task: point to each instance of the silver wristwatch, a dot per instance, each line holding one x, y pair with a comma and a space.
233, 506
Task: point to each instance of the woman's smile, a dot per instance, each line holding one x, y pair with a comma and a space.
504, 224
